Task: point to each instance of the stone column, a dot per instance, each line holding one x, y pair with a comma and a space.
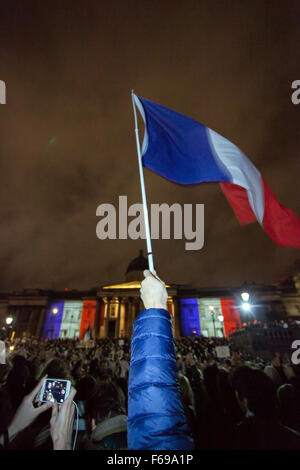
138, 307
123, 316
102, 327
117, 331
177, 332
40, 323
125, 303
107, 316
29, 329
129, 317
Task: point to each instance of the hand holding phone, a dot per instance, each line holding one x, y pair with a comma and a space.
27, 411
61, 423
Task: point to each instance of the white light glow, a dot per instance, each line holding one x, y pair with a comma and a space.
9, 320
245, 296
246, 306
221, 318
55, 311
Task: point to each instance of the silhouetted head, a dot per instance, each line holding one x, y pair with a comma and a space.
255, 392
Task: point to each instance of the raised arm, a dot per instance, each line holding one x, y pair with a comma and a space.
156, 419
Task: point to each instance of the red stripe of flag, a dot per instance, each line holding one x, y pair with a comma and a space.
238, 199
279, 222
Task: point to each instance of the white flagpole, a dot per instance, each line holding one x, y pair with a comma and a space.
144, 200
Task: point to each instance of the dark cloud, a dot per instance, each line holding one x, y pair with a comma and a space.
67, 142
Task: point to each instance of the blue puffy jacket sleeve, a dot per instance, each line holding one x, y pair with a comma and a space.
156, 420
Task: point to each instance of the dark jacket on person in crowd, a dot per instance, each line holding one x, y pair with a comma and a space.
254, 433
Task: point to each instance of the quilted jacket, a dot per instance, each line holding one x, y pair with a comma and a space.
156, 420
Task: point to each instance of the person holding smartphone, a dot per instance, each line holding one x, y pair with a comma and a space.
61, 423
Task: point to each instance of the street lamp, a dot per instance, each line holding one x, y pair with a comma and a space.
212, 311
9, 321
245, 304
245, 296
221, 320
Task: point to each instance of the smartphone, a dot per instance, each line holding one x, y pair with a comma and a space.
55, 390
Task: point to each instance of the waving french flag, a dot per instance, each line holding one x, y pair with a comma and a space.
187, 152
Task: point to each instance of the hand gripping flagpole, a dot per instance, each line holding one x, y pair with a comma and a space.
144, 200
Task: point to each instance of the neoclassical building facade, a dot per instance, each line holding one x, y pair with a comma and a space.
110, 310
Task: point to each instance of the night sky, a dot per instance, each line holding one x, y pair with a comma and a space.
67, 141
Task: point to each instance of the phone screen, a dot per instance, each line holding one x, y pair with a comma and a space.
55, 390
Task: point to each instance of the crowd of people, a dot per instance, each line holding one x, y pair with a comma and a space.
286, 323
148, 392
